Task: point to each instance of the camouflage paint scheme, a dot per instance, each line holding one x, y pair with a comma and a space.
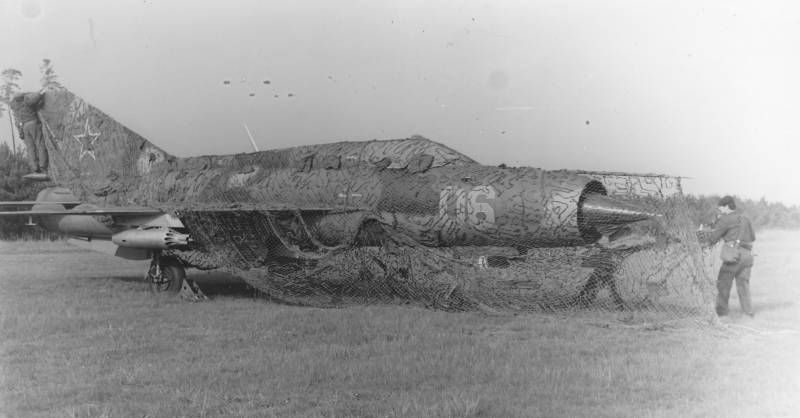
258, 201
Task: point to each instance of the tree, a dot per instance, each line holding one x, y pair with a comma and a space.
7, 92
49, 78
13, 187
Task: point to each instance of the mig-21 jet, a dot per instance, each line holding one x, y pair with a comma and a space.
276, 213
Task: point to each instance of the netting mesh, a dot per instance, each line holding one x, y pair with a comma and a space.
657, 266
407, 220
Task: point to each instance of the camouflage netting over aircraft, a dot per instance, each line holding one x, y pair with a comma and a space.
404, 219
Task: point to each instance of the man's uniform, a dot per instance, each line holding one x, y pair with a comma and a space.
728, 228
25, 108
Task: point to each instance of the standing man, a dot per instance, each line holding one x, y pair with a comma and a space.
26, 107
606, 263
732, 227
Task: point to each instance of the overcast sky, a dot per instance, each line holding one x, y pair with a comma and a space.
708, 90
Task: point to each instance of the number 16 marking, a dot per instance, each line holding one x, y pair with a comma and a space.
470, 207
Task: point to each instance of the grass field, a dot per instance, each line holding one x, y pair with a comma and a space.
81, 336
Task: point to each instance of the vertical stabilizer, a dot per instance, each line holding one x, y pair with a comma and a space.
92, 153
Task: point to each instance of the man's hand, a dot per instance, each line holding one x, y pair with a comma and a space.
704, 236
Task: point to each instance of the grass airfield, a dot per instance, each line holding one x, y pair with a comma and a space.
81, 336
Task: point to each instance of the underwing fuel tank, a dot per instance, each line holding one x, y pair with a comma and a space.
77, 225
154, 238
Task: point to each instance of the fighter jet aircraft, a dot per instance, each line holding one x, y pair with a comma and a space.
114, 191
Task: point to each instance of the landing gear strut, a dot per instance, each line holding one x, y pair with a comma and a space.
166, 274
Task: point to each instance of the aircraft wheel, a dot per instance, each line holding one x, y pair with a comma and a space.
166, 276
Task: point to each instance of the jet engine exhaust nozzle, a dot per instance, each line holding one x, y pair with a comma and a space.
598, 210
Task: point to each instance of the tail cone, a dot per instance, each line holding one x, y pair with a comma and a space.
598, 212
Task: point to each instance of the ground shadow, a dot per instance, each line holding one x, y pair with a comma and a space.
219, 283
212, 283
773, 306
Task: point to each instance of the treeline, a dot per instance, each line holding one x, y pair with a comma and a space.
762, 214
14, 161
14, 165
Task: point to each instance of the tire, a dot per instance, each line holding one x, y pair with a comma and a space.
171, 277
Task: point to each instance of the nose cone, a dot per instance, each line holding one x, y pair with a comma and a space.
598, 212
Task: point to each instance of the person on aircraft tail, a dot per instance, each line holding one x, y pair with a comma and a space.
25, 107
